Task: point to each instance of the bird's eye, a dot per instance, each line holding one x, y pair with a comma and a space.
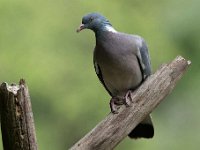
91, 19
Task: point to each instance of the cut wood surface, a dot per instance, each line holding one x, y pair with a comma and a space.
17, 125
115, 127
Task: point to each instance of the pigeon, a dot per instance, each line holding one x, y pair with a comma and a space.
122, 64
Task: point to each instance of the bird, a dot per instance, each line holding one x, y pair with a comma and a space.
122, 63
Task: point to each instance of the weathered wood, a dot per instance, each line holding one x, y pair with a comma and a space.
17, 125
115, 127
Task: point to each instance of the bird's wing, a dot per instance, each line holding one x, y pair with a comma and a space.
99, 74
144, 60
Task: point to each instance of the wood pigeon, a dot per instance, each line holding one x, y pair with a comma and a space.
122, 63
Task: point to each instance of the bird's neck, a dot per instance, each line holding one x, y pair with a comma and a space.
109, 28
102, 32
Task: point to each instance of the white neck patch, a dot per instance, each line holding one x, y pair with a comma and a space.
110, 29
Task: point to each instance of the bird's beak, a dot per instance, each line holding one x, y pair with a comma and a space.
80, 28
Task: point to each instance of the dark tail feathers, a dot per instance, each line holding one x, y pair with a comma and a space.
143, 130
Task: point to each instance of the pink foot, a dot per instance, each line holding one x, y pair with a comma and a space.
116, 101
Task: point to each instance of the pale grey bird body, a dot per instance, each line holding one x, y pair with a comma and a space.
114, 62
121, 62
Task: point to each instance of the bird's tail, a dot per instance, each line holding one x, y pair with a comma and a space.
143, 130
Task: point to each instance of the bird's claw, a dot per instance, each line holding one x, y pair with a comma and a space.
116, 101
114, 105
128, 98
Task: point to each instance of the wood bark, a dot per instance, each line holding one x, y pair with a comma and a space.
115, 127
17, 125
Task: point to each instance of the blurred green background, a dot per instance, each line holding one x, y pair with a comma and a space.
38, 42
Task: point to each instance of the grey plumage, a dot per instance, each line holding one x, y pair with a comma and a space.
121, 62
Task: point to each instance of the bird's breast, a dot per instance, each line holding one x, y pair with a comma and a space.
120, 70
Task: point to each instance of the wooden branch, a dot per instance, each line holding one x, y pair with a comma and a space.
115, 127
17, 125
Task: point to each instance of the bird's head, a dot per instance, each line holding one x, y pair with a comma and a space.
94, 21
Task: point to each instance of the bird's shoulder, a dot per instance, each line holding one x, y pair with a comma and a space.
130, 37
140, 49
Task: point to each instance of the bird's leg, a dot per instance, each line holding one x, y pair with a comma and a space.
128, 98
115, 102
113, 106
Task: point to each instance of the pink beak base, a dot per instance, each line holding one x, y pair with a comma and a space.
81, 27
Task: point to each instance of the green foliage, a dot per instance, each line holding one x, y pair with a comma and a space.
38, 42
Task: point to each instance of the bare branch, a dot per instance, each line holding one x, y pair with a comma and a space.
18, 130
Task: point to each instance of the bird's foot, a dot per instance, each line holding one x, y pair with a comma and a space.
116, 101
128, 98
